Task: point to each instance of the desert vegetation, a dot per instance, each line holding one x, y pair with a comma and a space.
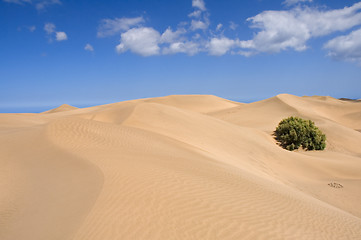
295, 132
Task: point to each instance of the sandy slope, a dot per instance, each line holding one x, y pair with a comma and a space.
179, 167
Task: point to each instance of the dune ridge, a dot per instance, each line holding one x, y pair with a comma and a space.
62, 108
180, 167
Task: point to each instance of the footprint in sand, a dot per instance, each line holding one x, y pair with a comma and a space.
335, 185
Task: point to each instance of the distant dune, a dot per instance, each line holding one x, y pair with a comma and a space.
62, 108
180, 167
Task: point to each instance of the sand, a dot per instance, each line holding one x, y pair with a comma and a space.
180, 167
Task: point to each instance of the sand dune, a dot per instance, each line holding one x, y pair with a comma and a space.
62, 108
179, 167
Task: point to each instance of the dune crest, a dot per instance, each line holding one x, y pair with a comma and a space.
180, 167
62, 108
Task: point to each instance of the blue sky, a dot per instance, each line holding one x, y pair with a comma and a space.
94, 52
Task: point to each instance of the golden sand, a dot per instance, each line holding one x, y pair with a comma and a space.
180, 167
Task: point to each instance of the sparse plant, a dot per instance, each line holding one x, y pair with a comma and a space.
294, 132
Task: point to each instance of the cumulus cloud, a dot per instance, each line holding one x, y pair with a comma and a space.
39, 4
195, 14
188, 47
143, 41
61, 36
110, 27
199, 24
323, 23
346, 48
199, 4
200, 16
293, 2
220, 46
170, 36
50, 30
147, 41
275, 31
88, 47
281, 30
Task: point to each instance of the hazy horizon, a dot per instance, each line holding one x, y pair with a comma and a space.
41, 108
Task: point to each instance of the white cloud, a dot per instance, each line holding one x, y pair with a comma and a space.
110, 27
219, 26
347, 48
233, 25
195, 14
199, 4
281, 30
220, 46
246, 44
143, 41
245, 53
146, 41
275, 31
200, 16
190, 48
169, 36
198, 24
49, 28
293, 2
61, 36
323, 23
39, 4
88, 47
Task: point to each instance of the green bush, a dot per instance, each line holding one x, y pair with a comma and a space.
294, 132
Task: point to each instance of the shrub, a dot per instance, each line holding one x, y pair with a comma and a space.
294, 132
